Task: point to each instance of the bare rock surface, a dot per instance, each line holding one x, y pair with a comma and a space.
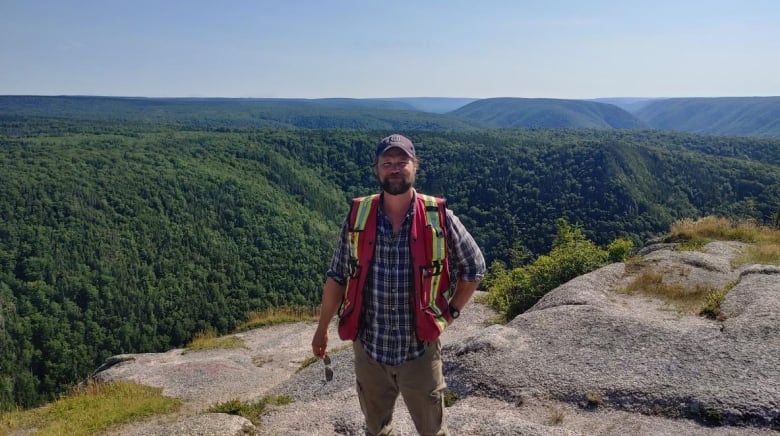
630, 353
588, 359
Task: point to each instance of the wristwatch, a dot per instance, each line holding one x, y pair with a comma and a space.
454, 311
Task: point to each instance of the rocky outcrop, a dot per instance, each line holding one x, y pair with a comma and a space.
589, 358
586, 344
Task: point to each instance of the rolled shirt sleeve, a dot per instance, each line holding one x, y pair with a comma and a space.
464, 252
339, 264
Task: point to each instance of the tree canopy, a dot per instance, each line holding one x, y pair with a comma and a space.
123, 237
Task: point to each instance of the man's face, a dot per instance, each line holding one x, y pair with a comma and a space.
396, 171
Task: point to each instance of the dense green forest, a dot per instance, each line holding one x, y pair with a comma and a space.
120, 237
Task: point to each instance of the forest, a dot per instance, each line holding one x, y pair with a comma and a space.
124, 236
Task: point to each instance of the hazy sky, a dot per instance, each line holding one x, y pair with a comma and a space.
365, 48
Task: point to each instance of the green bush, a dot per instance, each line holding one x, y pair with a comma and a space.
515, 291
620, 249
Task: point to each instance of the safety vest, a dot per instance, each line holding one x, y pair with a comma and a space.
428, 249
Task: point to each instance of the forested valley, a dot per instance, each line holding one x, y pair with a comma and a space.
125, 237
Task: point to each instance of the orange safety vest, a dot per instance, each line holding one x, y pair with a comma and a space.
428, 248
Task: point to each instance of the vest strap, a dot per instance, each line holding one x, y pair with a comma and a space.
437, 249
358, 225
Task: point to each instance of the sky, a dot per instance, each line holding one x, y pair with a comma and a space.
373, 49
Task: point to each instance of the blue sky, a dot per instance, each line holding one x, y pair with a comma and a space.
348, 48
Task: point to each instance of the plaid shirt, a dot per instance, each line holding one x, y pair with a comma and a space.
387, 329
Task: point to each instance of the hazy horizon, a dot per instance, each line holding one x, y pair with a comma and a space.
372, 98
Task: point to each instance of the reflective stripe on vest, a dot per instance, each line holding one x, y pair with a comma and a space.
355, 231
361, 217
432, 219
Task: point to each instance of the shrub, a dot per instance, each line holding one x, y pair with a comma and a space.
513, 292
504, 286
620, 249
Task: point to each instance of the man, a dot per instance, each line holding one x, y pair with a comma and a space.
389, 280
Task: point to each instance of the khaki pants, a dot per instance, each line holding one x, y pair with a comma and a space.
419, 381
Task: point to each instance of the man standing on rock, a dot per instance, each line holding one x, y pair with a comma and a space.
389, 281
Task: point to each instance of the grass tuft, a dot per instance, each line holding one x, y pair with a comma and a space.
765, 241
652, 283
209, 340
594, 399
313, 359
765, 252
450, 397
309, 361
556, 416
695, 243
279, 315
250, 410
685, 299
713, 300
89, 410
712, 227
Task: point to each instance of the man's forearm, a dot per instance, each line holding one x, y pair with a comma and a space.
463, 292
332, 294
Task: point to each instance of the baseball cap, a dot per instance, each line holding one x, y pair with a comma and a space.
397, 141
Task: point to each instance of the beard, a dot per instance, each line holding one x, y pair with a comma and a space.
397, 186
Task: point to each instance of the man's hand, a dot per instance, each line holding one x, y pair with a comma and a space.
320, 342
332, 294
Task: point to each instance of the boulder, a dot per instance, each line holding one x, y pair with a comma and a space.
587, 343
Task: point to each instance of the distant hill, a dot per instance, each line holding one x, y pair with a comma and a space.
329, 113
739, 116
628, 104
547, 113
439, 105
